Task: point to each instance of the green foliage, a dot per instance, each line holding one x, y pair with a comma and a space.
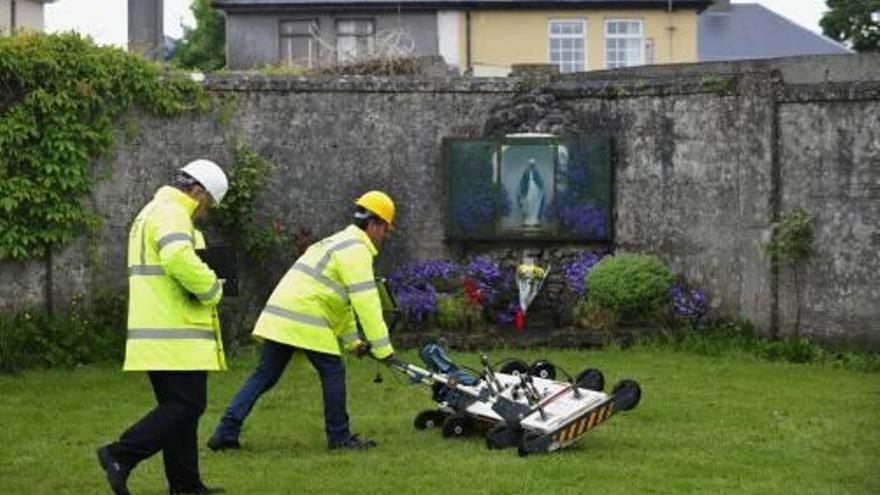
792, 238
590, 315
731, 336
248, 175
455, 312
81, 336
203, 47
633, 285
716, 83
226, 109
854, 22
60, 98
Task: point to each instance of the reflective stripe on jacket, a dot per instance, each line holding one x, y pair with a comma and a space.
172, 322
314, 304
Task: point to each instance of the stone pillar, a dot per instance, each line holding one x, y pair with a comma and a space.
145, 30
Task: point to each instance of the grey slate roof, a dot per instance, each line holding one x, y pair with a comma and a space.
237, 4
751, 31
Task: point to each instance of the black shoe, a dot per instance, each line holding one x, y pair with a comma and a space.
354, 442
117, 474
198, 490
217, 443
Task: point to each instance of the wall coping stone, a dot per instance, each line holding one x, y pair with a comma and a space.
852, 91
243, 82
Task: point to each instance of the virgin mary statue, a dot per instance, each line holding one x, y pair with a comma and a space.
531, 195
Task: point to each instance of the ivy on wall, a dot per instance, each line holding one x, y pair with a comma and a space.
237, 214
60, 96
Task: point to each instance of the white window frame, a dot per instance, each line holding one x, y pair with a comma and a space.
583, 36
341, 56
640, 37
313, 46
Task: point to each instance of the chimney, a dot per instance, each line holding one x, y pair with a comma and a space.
146, 34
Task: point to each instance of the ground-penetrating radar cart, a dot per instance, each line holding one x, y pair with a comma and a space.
518, 405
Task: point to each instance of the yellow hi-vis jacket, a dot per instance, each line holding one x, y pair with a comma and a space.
172, 319
312, 307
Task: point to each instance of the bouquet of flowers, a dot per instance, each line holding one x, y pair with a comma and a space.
529, 279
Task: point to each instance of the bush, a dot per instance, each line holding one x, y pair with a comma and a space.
455, 312
633, 285
81, 336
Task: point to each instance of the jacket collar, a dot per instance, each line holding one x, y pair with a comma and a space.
357, 233
179, 197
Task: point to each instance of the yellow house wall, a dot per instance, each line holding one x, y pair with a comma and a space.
503, 38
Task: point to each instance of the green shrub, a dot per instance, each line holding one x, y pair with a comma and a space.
456, 313
633, 285
80, 336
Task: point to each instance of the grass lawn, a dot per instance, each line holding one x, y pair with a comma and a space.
730, 424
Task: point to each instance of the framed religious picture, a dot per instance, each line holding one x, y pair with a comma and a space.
528, 187
527, 174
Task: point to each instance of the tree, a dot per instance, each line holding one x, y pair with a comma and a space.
203, 47
855, 22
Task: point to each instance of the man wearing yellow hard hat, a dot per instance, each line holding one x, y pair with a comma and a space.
313, 309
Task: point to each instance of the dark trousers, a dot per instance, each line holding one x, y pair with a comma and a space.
273, 360
172, 427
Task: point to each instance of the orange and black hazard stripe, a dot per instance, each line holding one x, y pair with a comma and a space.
586, 422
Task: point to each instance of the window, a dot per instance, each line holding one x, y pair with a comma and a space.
623, 43
567, 41
299, 44
529, 188
354, 39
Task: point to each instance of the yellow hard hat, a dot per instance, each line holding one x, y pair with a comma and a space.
379, 204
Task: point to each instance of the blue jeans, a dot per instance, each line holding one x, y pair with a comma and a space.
273, 359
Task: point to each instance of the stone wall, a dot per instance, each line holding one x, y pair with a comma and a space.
703, 167
830, 165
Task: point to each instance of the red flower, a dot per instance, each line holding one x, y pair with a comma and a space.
475, 296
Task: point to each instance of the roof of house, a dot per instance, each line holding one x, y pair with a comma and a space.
750, 31
237, 4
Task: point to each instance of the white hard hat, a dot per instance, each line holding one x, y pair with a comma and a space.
210, 176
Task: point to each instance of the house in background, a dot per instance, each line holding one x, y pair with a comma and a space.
482, 37
745, 31
22, 14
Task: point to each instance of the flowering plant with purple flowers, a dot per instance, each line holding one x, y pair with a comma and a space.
416, 286
574, 207
479, 281
478, 211
575, 272
689, 303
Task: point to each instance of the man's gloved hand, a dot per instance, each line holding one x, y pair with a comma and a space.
362, 349
393, 360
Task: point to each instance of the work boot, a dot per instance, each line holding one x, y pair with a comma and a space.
117, 474
197, 490
218, 443
355, 443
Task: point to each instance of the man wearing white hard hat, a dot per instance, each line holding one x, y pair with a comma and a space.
173, 334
